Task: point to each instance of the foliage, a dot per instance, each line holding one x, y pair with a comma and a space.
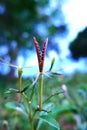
21, 20
69, 112
78, 47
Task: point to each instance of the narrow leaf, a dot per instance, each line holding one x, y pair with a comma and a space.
39, 124
9, 64
14, 90
63, 110
30, 86
52, 63
54, 73
7, 92
11, 90
15, 106
12, 105
51, 121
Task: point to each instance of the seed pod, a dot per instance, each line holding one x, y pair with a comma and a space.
40, 55
43, 54
38, 51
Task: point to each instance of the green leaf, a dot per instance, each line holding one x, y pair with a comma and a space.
48, 106
30, 86
63, 110
55, 73
7, 92
39, 124
11, 90
51, 121
15, 106
12, 105
82, 92
52, 63
51, 74
25, 89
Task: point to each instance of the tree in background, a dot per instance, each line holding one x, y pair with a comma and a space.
78, 47
20, 20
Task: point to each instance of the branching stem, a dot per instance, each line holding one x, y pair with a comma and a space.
56, 93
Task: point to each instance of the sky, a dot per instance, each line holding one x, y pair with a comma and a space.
77, 21
76, 18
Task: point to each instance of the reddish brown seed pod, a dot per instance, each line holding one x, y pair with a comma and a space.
38, 51
41, 55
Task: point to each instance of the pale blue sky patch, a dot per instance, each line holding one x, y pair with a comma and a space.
2, 8
3, 50
41, 29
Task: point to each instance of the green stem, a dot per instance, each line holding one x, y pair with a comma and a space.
19, 78
32, 125
41, 90
31, 118
19, 83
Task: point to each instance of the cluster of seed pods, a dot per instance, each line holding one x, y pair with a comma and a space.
41, 54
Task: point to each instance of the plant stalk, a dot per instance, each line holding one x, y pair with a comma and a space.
19, 83
19, 78
41, 90
31, 118
32, 125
